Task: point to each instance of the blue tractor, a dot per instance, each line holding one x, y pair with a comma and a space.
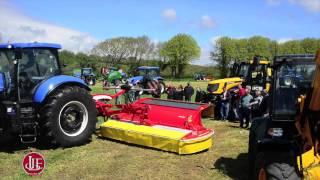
38, 102
87, 75
148, 77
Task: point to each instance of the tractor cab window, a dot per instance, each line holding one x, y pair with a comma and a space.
257, 74
149, 72
7, 68
34, 66
243, 70
141, 72
6, 62
292, 81
86, 71
153, 72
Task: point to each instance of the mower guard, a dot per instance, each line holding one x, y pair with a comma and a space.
173, 126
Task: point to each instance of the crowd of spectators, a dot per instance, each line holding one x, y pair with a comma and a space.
244, 104
237, 104
180, 93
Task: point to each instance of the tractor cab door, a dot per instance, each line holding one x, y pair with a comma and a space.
35, 66
234, 70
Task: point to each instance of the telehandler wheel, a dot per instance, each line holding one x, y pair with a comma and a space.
68, 117
275, 166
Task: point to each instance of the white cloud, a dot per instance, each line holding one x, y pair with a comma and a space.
17, 27
310, 5
169, 14
207, 22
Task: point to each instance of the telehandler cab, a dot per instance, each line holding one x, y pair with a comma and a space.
285, 143
255, 73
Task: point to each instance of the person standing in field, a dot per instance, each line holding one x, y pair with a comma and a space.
178, 93
256, 104
238, 93
188, 92
225, 104
245, 108
170, 91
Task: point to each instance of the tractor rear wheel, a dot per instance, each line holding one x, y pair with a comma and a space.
275, 166
162, 87
156, 86
68, 117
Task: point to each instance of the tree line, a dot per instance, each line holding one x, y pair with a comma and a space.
228, 50
132, 52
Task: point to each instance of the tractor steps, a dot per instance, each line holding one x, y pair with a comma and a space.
28, 132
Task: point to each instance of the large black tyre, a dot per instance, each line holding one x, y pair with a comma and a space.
162, 87
257, 132
156, 93
275, 166
68, 117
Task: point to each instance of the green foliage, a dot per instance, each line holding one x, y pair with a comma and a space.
258, 45
180, 51
291, 47
228, 50
125, 50
225, 53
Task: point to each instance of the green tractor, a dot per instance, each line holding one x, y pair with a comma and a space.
113, 76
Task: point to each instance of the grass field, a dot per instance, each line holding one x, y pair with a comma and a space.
106, 159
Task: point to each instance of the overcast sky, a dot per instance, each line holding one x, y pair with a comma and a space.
79, 24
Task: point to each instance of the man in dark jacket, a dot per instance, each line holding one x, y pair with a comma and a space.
178, 93
170, 91
188, 92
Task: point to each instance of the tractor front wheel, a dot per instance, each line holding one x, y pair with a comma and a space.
69, 117
275, 166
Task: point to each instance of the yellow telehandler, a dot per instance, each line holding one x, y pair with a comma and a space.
284, 144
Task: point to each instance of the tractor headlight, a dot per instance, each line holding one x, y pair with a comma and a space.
287, 81
275, 132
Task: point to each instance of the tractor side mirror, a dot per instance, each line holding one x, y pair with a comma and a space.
3, 84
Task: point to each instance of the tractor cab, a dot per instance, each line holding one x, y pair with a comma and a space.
148, 77
148, 72
88, 76
36, 100
257, 75
253, 73
275, 141
86, 71
23, 69
292, 78
239, 70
